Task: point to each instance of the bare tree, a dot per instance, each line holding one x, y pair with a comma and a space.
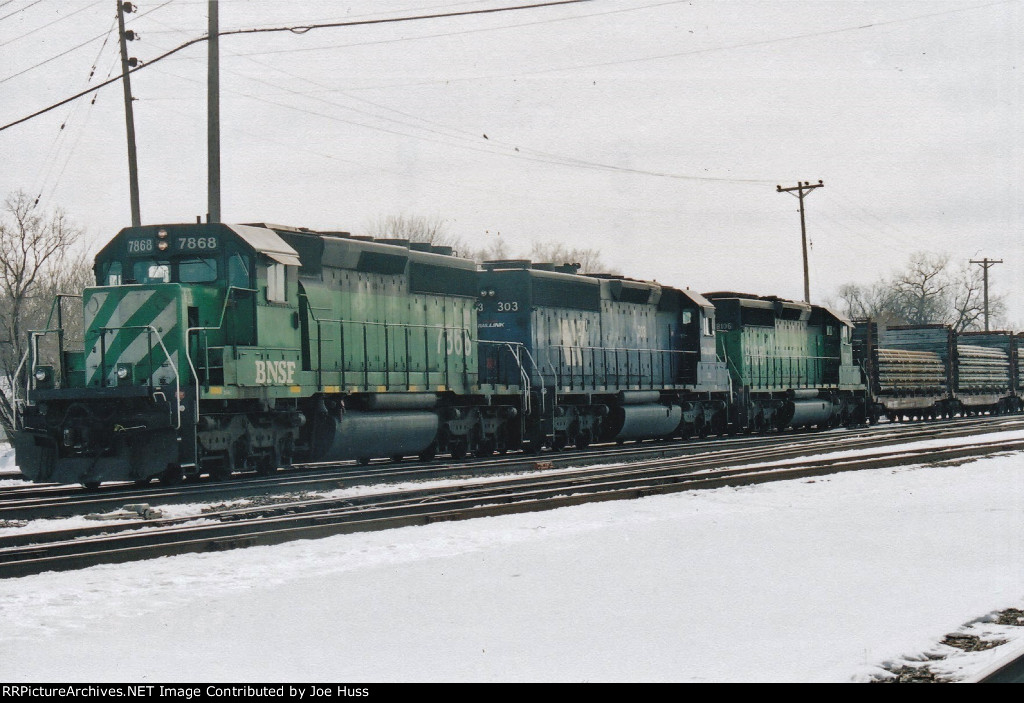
496, 250
968, 300
857, 301
35, 258
923, 290
928, 291
588, 259
432, 229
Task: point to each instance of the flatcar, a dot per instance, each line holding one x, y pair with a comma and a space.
929, 371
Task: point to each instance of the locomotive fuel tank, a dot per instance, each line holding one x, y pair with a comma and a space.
361, 435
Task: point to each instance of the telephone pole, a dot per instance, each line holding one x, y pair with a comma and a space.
802, 190
129, 112
213, 117
986, 264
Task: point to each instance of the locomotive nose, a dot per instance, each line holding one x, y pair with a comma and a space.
134, 335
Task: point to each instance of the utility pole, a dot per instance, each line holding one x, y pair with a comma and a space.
986, 264
129, 113
213, 117
802, 190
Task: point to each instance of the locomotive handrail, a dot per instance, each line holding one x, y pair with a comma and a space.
465, 331
56, 305
515, 348
34, 347
220, 324
159, 340
604, 362
781, 368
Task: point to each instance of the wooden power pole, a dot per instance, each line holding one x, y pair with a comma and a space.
129, 112
802, 190
213, 117
986, 264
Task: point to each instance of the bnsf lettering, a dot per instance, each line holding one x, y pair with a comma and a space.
279, 372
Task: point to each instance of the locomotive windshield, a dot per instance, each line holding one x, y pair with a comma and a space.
194, 270
197, 270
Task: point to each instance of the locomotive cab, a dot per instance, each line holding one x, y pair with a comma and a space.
173, 306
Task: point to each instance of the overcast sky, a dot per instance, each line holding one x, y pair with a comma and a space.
653, 130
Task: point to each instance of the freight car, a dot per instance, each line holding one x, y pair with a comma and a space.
928, 371
210, 348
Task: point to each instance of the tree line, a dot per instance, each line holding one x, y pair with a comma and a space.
929, 289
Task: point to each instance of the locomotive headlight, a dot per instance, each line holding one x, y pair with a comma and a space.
123, 373
162, 234
44, 376
162, 245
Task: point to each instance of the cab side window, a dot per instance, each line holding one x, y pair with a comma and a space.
113, 274
239, 268
275, 283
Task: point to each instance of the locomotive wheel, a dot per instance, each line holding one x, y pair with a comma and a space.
583, 440
459, 450
486, 447
428, 454
363, 460
172, 475
397, 458
142, 482
266, 465
91, 485
221, 472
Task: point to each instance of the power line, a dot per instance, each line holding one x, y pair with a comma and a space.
298, 29
77, 46
692, 52
59, 19
303, 28
478, 30
12, 14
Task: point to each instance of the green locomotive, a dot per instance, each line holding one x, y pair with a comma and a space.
212, 348
791, 363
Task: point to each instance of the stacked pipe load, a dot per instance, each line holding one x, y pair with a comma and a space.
982, 368
906, 370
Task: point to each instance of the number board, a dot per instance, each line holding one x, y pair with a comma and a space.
192, 245
141, 247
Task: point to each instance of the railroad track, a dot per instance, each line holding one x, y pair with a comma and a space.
31, 502
320, 517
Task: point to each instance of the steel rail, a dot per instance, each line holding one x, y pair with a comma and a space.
445, 503
60, 501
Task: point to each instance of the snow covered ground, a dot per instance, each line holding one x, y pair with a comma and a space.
812, 580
